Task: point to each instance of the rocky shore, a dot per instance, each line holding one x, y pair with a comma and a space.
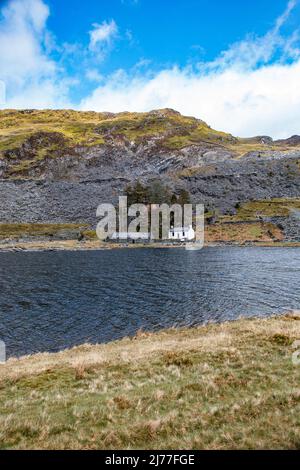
73, 245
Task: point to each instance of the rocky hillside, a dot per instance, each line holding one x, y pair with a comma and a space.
57, 166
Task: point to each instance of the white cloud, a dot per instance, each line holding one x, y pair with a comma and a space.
102, 34
31, 77
285, 15
93, 75
240, 102
250, 89
254, 51
20, 50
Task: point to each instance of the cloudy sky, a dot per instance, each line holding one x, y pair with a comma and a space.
233, 63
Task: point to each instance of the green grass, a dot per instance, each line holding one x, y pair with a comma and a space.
52, 133
243, 146
90, 234
88, 128
201, 133
269, 208
252, 228
252, 210
227, 386
19, 230
11, 141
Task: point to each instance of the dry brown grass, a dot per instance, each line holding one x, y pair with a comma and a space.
277, 207
220, 386
41, 245
243, 232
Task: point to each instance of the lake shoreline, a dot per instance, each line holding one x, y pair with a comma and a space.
143, 391
74, 245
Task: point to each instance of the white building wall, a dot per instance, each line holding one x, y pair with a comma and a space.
183, 233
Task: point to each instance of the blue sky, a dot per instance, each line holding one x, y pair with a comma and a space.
165, 31
235, 64
162, 33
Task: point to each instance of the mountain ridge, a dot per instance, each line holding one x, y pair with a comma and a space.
30, 138
57, 166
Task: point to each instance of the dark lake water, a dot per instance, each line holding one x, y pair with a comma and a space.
53, 300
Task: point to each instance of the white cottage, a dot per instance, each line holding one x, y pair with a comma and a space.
130, 236
182, 233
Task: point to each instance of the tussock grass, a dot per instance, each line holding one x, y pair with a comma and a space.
243, 232
90, 128
29, 137
278, 207
221, 386
18, 230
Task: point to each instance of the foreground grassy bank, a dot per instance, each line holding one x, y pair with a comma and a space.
221, 386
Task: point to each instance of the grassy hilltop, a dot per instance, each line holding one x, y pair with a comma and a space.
91, 128
45, 134
51, 133
220, 386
